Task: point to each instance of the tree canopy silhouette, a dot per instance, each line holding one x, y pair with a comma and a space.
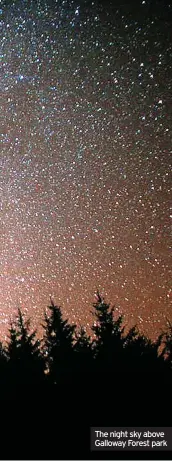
25, 362
65, 351
58, 343
68, 364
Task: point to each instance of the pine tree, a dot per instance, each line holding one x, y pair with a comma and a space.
58, 343
25, 363
108, 345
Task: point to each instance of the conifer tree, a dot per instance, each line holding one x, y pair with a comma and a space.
108, 345
58, 343
25, 363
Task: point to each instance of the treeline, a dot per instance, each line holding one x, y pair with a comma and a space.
65, 352
56, 388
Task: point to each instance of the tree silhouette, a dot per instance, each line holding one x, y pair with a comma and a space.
115, 351
100, 366
108, 346
25, 363
68, 355
58, 343
143, 355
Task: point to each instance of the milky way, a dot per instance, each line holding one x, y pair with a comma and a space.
85, 133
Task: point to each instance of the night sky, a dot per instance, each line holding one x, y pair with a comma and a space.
85, 151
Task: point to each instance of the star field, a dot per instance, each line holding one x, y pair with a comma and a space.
85, 152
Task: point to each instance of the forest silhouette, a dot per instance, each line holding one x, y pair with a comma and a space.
55, 385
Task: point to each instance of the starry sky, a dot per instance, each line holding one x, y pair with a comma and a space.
85, 151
